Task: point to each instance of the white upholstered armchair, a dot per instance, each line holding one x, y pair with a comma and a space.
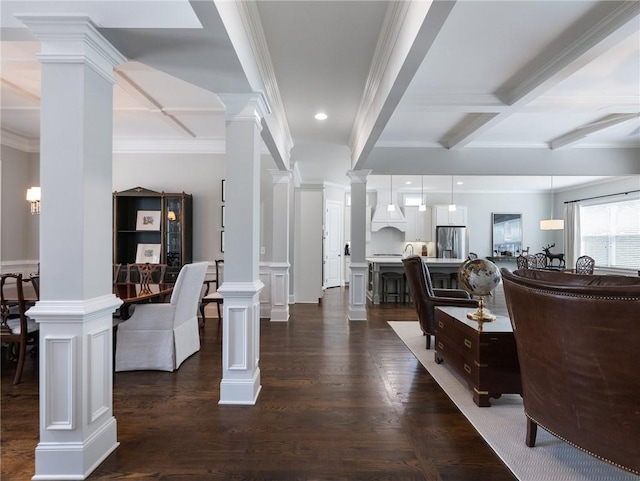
161, 336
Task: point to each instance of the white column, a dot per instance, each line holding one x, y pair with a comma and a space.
280, 245
77, 427
358, 276
241, 287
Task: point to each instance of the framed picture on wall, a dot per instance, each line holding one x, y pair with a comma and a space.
222, 190
222, 216
222, 241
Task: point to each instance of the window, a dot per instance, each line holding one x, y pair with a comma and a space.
410, 199
610, 233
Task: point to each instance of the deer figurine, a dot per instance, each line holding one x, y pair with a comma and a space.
551, 256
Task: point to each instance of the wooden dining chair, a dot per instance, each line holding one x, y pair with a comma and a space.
16, 330
35, 282
145, 275
213, 296
116, 273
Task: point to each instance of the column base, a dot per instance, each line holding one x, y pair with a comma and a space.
279, 291
240, 343
75, 461
357, 291
240, 391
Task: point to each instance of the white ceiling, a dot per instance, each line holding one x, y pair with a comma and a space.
541, 77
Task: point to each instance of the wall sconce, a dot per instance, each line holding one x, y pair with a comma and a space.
171, 215
33, 196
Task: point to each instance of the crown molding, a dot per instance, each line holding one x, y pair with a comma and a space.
19, 142
242, 21
165, 146
408, 33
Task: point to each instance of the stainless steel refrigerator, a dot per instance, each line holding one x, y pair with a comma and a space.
452, 242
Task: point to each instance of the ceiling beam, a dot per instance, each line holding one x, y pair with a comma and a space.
20, 90
138, 93
548, 70
409, 31
599, 126
244, 28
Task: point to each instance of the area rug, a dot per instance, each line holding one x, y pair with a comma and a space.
503, 426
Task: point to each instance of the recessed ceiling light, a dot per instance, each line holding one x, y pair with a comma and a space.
320, 116
408, 182
459, 182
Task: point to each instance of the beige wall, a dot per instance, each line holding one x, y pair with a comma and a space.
197, 174
19, 229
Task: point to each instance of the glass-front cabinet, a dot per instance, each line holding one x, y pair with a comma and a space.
154, 227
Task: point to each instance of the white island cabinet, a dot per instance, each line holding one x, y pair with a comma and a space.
379, 264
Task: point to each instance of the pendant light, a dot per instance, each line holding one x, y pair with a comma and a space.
551, 223
452, 206
422, 207
391, 207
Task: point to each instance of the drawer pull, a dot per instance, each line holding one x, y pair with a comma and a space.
467, 369
467, 343
440, 325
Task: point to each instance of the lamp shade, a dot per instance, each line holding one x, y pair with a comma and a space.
552, 224
33, 194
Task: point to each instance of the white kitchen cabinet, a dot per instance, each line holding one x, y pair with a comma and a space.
418, 228
443, 216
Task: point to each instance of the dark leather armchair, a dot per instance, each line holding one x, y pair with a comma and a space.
577, 338
426, 298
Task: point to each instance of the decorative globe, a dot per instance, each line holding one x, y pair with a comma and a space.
479, 277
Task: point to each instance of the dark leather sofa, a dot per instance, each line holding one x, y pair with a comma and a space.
578, 340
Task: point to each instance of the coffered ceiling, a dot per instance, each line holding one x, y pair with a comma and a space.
466, 87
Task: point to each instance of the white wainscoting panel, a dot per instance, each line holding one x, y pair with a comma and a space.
60, 354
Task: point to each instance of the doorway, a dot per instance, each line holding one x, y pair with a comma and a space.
332, 262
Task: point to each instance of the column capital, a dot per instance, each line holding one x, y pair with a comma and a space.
281, 176
246, 107
358, 176
73, 39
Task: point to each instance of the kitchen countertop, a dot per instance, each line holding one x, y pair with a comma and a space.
431, 261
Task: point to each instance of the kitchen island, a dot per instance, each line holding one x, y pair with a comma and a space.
380, 264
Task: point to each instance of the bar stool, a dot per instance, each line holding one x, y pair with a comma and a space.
453, 280
441, 280
393, 284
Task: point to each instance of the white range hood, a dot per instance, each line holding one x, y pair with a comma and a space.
383, 217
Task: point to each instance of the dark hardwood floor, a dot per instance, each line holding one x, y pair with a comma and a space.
340, 401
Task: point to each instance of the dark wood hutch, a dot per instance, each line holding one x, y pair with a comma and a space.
143, 217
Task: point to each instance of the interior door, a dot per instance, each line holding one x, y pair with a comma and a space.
333, 244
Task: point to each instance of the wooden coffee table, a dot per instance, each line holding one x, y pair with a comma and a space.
486, 359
